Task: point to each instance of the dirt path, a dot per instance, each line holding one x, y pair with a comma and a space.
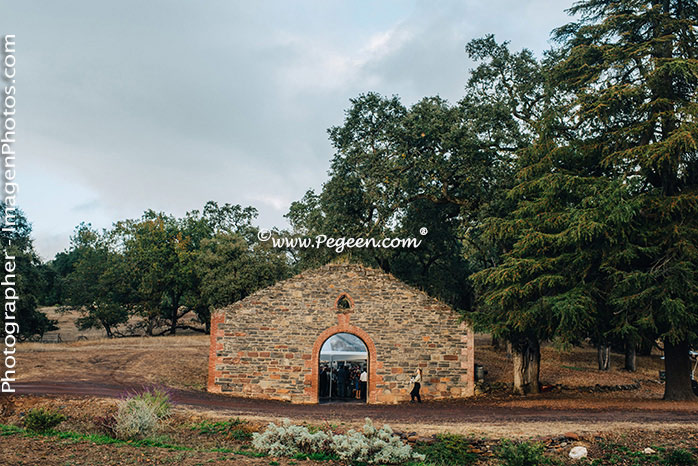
486, 411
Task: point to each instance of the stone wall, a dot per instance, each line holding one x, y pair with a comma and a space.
267, 345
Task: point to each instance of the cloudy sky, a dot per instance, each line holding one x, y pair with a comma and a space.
129, 105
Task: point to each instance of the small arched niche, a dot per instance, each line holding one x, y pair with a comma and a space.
344, 303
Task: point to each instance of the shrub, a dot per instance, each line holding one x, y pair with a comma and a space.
680, 457
139, 416
315, 457
232, 428
42, 420
135, 419
373, 446
289, 440
159, 400
521, 454
448, 449
370, 445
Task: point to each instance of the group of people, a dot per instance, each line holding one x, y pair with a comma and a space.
347, 380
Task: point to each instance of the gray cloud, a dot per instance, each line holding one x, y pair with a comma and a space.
128, 105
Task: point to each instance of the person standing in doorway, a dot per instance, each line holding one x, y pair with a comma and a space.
324, 381
342, 381
417, 381
363, 381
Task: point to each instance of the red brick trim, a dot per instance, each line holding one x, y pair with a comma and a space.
216, 319
343, 327
471, 361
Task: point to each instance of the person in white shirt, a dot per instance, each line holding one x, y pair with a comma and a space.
363, 379
417, 381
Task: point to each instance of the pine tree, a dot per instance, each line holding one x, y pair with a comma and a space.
632, 65
523, 296
550, 284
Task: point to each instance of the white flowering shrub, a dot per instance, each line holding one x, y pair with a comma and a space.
288, 440
370, 445
373, 446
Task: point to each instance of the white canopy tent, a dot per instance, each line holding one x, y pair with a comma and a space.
342, 347
343, 356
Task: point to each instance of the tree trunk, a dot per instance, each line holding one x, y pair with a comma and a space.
646, 347
534, 366
604, 356
630, 359
520, 374
526, 355
678, 372
174, 314
173, 322
509, 351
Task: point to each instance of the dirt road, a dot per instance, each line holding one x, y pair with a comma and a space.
476, 410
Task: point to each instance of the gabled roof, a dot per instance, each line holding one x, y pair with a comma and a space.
368, 273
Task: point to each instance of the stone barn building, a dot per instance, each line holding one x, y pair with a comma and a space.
269, 344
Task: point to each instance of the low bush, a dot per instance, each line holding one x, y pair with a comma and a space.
139, 416
290, 440
159, 401
42, 420
370, 445
680, 457
232, 428
448, 449
315, 457
135, 419
521, 454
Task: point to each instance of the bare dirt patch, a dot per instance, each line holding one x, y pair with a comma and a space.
175, 361
577, 369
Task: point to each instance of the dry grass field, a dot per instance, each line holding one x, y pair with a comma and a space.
174, 361
67, 331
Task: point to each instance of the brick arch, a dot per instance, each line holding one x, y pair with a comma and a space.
344, 327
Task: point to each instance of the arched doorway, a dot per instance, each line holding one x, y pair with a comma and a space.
343, 369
